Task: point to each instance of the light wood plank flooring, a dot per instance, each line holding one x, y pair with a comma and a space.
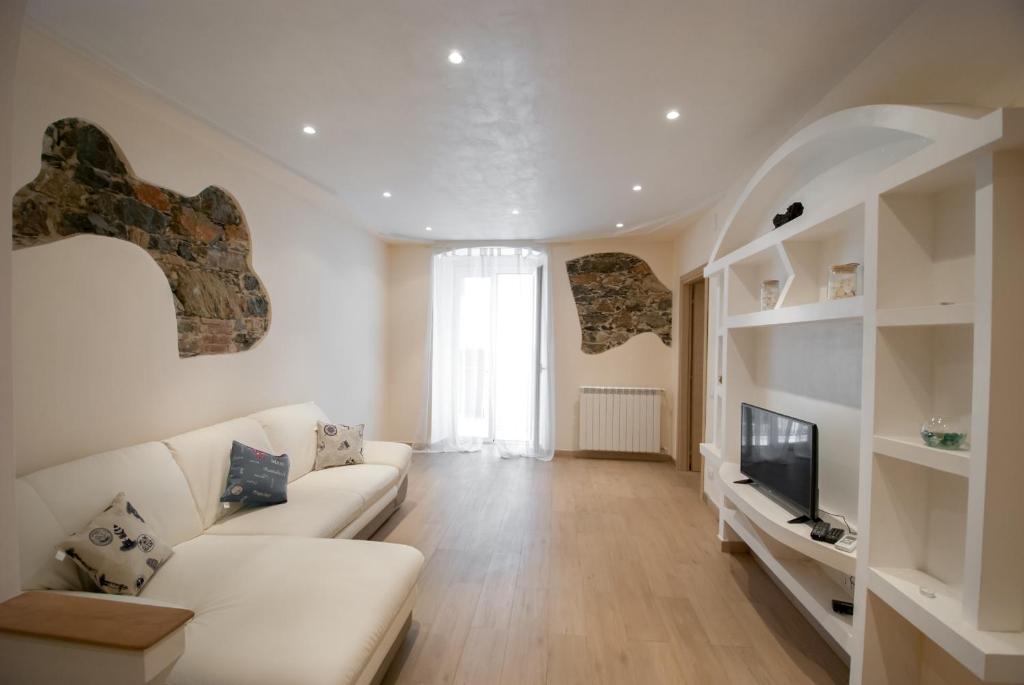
587, 571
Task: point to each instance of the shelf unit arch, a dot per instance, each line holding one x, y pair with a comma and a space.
930, 202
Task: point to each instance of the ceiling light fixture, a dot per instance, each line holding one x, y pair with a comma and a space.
516, 212
309, 130
455, 57
619, 225
386, 193
429, 228
672, 114
637, 188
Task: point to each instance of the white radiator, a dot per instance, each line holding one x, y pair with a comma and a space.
620, 419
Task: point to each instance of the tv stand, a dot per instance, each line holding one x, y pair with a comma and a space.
744, 481
795, 561
800, 519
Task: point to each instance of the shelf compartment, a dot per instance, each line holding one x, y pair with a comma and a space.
926, 246
956, 462
829, 310
805, 580
744, 280
992, 656
812, 253
771, 518
925, 511
928, 315
920, 372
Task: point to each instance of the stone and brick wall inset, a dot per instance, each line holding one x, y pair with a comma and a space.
201, 243
618, 296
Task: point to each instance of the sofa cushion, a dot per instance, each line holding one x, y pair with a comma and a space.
389, 453
312, 510
203, 456
117, 549
321, 626
61, 500
256, 477
292, 429
369, 481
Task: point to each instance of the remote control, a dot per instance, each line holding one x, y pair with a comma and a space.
847, 543
833, 535
820, 530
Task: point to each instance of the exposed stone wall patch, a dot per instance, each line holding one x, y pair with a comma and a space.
201, 243
618, 296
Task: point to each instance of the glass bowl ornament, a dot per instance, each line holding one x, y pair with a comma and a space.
943, 433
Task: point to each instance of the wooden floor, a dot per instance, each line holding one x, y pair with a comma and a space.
587, 571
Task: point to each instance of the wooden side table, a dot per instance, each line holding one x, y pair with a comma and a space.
47, 637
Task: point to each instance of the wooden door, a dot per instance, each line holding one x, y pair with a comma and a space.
698, 338
692, 344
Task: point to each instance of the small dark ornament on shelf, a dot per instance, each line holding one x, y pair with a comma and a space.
792, 212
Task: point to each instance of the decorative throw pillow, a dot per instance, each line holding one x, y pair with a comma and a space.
256, 477
338, 445
117, 550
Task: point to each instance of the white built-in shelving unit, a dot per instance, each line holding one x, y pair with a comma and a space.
930, 201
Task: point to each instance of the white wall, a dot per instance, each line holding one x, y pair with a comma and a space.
642, 361
95, 346
10, 29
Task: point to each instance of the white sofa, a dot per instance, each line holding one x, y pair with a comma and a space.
278, 598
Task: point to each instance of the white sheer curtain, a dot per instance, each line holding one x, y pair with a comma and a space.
490, 353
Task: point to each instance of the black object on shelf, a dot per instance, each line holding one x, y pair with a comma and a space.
841, 607
744, 481
793, 211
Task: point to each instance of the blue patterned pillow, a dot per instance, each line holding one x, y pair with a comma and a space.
256, 477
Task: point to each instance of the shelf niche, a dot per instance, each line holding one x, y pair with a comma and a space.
897, 653
745, 278
926, 511
920, 372
812, 253
926, 246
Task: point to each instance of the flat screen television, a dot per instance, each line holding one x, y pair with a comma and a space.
780, 454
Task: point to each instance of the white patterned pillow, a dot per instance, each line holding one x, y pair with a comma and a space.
117, 550
338, 445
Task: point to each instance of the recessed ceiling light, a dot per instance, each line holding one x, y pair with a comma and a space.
619, 225
637, 188
429, 228
515, 211
672, 114
386, 193
309, 130
455, 57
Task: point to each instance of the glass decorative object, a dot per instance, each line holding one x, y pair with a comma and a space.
769, 294
844, 281
943, 433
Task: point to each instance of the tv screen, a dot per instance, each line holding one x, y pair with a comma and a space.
780, 454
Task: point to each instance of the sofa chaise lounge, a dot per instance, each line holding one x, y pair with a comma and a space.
280, 594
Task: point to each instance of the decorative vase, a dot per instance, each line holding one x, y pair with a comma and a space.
844, 281
769, 294
943, 433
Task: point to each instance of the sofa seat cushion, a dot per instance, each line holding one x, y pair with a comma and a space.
388, 453
369, 481
279, 610
312, 510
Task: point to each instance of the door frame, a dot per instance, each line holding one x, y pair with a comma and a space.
684, 390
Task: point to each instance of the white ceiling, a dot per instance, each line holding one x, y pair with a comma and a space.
558, 109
